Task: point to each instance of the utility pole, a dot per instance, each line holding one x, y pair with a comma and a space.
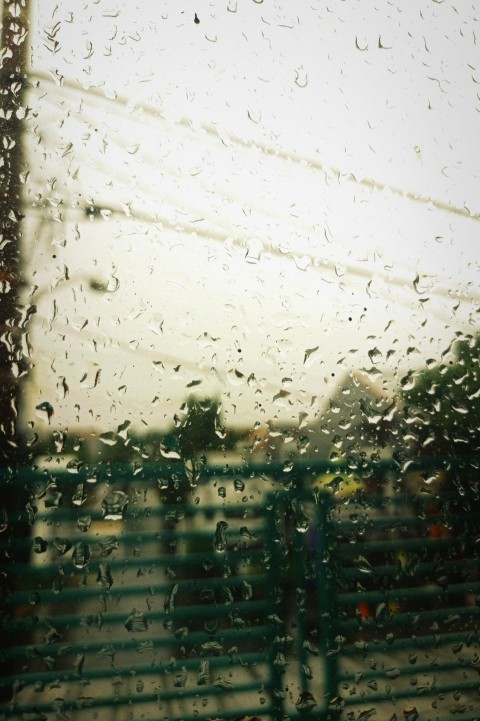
13, 80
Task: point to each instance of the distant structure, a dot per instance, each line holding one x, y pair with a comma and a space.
359, 417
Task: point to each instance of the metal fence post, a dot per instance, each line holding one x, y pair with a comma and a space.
326, 592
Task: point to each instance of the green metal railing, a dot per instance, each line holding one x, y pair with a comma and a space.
128, 591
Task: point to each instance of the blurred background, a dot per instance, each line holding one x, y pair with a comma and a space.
238, 256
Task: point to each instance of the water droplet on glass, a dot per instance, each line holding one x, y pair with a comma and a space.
104, 577
45, 411
169, 453
280, 662
212, 648
235, 377
136, 622
169, 604
181, 678
81, 555
78, 664
114, 505
3, 520
84, 523
60, 440
107, 653
109, 438
382, 614
253, 245
375, 355
107, 545
300, 518
203, 676
363, 565
247, 591
181, 632
192, 471
39, 545
62, 545
239, 485
305, 702
219, 542
79, 497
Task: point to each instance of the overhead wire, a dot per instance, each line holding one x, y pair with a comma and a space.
120, 101
231, 235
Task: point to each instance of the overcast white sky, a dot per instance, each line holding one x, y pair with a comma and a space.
294, 194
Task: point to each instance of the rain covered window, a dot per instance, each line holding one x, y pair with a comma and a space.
239, 357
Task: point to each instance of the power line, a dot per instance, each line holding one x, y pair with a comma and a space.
316, 263
215, 234
124, 102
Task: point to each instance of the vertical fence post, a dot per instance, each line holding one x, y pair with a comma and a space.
326, 591
273, 545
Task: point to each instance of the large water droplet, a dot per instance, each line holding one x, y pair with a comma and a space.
79, 497
169, 604
219, 542
305, 702
136, 622
363, 565
181, 678
62, 545
107, 545
203, 673
239, 485
81, 555
192, 471
104, 577
39, 545
114, 505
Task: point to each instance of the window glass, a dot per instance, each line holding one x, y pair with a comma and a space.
239, 350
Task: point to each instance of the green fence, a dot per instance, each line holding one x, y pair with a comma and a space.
244, 591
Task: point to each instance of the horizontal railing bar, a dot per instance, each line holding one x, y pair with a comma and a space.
303, 467
234, 512
421, 570
148, 538
159, 668
404, 670
179, 559
352, 599
411, 694
65, 648
208, 611
414, 643
133, 699
69, 594
407, 618
347, 550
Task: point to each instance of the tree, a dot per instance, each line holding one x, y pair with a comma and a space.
197, 432
442, 402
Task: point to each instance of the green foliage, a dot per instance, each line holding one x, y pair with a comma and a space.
442, 403
198, 431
